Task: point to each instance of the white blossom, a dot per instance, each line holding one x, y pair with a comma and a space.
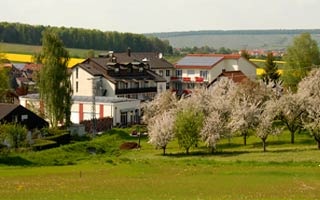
161, 130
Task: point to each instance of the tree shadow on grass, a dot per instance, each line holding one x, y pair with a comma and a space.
206, 154
14, 161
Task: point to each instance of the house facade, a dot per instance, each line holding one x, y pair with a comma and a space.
116, 76
123, 111
198, 70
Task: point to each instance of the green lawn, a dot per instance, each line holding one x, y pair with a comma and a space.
286, 171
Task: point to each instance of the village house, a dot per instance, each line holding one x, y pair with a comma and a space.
14, 113
123, 111
198, 70
116, 75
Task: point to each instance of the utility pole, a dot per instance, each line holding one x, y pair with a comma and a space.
93, 107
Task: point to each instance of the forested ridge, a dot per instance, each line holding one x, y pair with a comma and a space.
83, 38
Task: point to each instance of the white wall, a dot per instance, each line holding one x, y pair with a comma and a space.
84, 82
112, 110
248, 68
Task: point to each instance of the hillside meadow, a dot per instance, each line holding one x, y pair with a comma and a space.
234, 171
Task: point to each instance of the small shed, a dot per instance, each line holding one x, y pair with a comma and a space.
18, 114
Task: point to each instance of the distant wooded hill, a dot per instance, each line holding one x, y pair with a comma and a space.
83, 38
235, 39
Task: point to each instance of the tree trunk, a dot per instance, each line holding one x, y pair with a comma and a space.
187, 151
264, 145
212, 150
318, 140
164, 150
245, 139
292, 137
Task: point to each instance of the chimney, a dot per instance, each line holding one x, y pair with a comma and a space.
129, 51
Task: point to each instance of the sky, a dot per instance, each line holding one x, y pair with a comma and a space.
148, 16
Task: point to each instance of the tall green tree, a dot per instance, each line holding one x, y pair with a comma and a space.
54, 83
187, 127
4, 79
300, 58
270, 73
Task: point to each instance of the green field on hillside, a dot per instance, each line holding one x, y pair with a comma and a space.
31, 49
285, 171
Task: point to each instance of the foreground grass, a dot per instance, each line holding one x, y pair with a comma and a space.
286, 171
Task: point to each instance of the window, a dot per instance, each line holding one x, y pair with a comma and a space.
204, 74
77, 86
178, 73
161, 72
77, 72
167, 72
190, 72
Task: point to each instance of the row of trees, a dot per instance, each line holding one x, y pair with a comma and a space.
228, 109
83, 38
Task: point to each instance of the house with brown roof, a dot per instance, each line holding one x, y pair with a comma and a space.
155, 61
197, 70
116, 75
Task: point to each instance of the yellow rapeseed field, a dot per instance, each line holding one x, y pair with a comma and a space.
24, 58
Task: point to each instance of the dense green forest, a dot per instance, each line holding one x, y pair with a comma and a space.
83, 38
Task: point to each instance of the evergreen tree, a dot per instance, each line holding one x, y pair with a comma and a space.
270, 73
54, 84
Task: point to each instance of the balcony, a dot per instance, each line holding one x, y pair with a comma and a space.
136, 90
175, 78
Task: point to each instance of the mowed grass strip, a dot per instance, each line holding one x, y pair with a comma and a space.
286, 171
136, 180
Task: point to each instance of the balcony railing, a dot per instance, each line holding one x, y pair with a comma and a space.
136, 90
188, 79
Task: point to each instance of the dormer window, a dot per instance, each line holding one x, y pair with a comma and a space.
140, 69
116, 70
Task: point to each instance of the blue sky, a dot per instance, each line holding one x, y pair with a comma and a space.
146, 16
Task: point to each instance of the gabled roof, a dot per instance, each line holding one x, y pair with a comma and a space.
6, 109
155, 60
203, 61
90, 69
235, 76
101, 67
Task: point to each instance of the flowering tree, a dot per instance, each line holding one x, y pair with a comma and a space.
213, 128
161, 130
163, 102
266, 122
247, 105
217, 101
291, 108
309, 89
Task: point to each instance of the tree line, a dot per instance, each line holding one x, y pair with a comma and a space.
83, 38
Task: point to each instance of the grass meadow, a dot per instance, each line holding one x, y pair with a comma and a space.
285, 171
32, 49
